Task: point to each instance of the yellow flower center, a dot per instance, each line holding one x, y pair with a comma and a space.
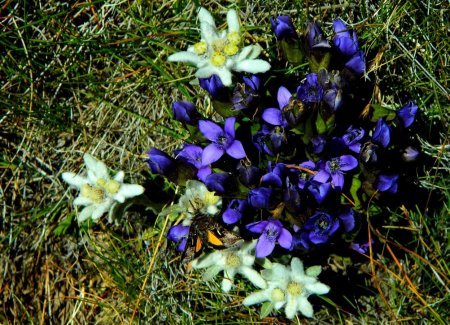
112, 186
218, 59
95, 194
218, 45
231, 49
101, 182
277, 295
234, 38
200, 48
295, 288
233, 260
211, 198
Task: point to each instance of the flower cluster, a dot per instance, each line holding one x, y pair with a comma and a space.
294, 164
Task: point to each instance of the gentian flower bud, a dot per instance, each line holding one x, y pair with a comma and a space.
217, 182
260, 197
214, 86
357, 63
346, 43
179, 234
160, 162
382, 133
234, 211
387, 183
185, 112
282, 27
407, 113
315, 37
248, 174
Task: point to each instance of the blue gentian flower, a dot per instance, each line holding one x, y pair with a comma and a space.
357, 63
223, 141
275, 176
319, 190
346, 43
291, 197
333, 98
351, 138
318, 143
361, 248
347, 219
407, 113
274, 116
334, 168
310, 90
368, 153
179, 234
320, 227
381, 134
304, 177
214, 86
185, 112
269, 140
387, 183
217, 182
315, 36
282, 27
301, 238
260, 197
410, 154
160, 162
234, 211
271, 231
192, 154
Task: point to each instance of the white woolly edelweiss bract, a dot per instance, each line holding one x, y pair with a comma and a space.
221, 52
289, 287
231, 261
98, 191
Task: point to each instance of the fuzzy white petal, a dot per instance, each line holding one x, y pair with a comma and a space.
82, 200
119, 176
255, 298
244, 53
204, 16
207, 260
252, 66
318, 288
128, 191
314, 271
186, 57
211, 272
86, 213
253, 276
96, 166
297, 266
233, 21
291, 307
74, 179
227, 284
101, 209
305, 307
208, 32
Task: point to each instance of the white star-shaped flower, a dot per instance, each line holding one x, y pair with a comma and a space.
231, 261
221, 52
289, 287
98, 191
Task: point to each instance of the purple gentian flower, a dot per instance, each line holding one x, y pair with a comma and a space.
282, 27
319, 190
310, 90
245, 94
361, 248
274, 116
275, 176
315, 37
260, 197
357, 63
179, 234
192, 154
248, 174
382, 133
304, 177
410, 154
334, 168
321, 226
269, 140
271, 231
301, 238
291, 197
213, 85
217, 182
223, 141
318, 143
234, 211
159, 162
185, 112
333, 97
348, 219
368, 153
387, 183
346, 43
408, 113
351, 138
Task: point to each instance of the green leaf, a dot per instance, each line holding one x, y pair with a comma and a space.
321, 126
356, 185
266, 309
64, 226
292, 51
380, 111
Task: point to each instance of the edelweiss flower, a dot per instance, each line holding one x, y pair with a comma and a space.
289, 287
220, 52
98, 191
230, 261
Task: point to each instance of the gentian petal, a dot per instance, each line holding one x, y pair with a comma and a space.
285, 239
347, 162
283, 97
272, 116
212, 153
258, 226
229, 126
264, 246
236, 150
210, 130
